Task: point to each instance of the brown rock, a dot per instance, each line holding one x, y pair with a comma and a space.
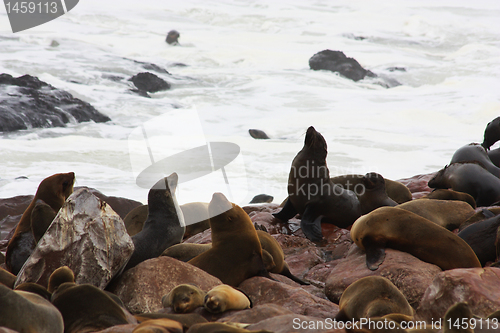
408, 273
204, 237
296, 323
11, 210
256, 314
267, 207
267, 220
418, 184
142, 287
476, 286
87, 236
262, 291
338, 242
319, 274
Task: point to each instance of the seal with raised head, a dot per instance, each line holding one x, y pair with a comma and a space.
372, 296
184, 298
164, 226
53, 191
405, 231
446, 213
312, 194
491, 133
223, 298
470, 178
373, 194
474, 152
236, 253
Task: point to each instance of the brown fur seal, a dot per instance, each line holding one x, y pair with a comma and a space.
164, 226
59, 276
186, 251
406, 231
395, 190
184, 298
372, 296
195, 217
24, 311
54, 191
35, 288
446, 194
491, 133
481, 237
186, 319
223, 298
475, 153
161, 325
86, 308
7, 278
494, 156
470, 178
459, 316
41, 218
481, 215
373, 194
312, 194
236, 253
220, 328
448, 214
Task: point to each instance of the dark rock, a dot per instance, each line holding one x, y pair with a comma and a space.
476, 286
142, 287
396, 69
262, 291
149, 82
87, 236
418, 184
258, 134
173, 37
336, 61
262, 198
11, 210
28, 103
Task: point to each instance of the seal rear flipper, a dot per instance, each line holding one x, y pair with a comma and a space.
287, 212
311, 224
286, 272
375, 254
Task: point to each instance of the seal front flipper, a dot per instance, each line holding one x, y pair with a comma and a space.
286, 272
287, 212
375, 253
311, 224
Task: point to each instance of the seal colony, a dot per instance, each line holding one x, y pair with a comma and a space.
252, 269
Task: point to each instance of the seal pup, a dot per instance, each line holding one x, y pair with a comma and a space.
491, 133
53, 191
405, 231
481, 237
470, 178
236, 253
312, 194
173, 37
223, 298
184, 298
164, 226
474, 152
373, 195
372, 296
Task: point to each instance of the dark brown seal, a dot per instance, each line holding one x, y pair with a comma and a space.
184, 298
470, 178
312, 194
173, 37
236, 253
481, 237
53, 191
373, 194
406, 231
474, 152
491, 133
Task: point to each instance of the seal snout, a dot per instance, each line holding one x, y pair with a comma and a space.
219, 204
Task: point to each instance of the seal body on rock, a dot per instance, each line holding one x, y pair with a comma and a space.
312, 194
336, 61
406, 231
53, 191
474, 152
224, 298
470, 178
184, 298
164, 226
236, 253
481, 237
372, 296
446, 194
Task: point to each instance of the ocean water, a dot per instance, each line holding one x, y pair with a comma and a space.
247, 67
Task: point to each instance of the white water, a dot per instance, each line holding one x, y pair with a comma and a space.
248, 68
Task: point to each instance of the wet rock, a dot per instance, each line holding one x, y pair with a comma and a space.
267, 208
336, 61
408, 273
28, 103
258, 134
149, 82
262, 198
87, 236
256, 314
418, 184
266, 221
142, 287
476, 286
262, 291
296, 323
122, 206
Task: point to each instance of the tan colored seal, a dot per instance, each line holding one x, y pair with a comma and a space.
223, 298
53, 191
59, 276
184, 298
372, 296
236, 253
447, 194
406, 231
